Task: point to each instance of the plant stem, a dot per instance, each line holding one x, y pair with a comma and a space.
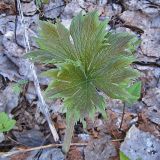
68, 134
124, 106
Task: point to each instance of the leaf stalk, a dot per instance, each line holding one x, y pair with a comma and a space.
68, 134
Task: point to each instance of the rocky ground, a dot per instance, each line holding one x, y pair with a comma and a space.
140, 133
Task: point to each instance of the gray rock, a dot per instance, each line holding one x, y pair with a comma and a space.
71, 10
100, 149
23, 65
30, 93
31, 138
44, 154
151, 43
4, 158
135, 19
150, 8
50, 154
152, 98
7, 24
56, 106
31, 24
14, 54
10, 46
19, 66
53, 9
8, 28
142, 58
66, 22
8, 99
149, 76
112, 10
2, 138
153, 114
29, 9
140, 145
47, 154
84, 137
8, 69
155, 22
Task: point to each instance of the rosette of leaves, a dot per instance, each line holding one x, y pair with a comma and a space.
89, 61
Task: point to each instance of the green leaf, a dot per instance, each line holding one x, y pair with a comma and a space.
17, 87
135, 91
70, 82
89, 60
86, 31
45, 1
123, 156
6, 124
50, 42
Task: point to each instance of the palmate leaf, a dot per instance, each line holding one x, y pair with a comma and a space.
80, 95
54, 43
88, 60
88, 34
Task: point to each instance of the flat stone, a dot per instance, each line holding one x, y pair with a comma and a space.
31, 138
135, 19
155, 22
151, 43
44, 154
84, 137
112, 10
145, 59
8, 99
8, 28
71, 10
29, 9
53, 9
8, 69
100, 149
149, 76
150, 8
140, 145
152, 98
2, 138
153, 114
47, 154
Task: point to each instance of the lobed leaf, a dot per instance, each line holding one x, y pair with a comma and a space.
6, 123
88, 60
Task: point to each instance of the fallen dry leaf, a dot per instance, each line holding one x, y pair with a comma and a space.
74, 154
7, 8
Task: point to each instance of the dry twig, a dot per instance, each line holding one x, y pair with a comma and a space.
44, 107
22, 150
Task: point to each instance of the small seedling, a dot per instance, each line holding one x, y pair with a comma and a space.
6, 123
135, 91
89, 60
17, 87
